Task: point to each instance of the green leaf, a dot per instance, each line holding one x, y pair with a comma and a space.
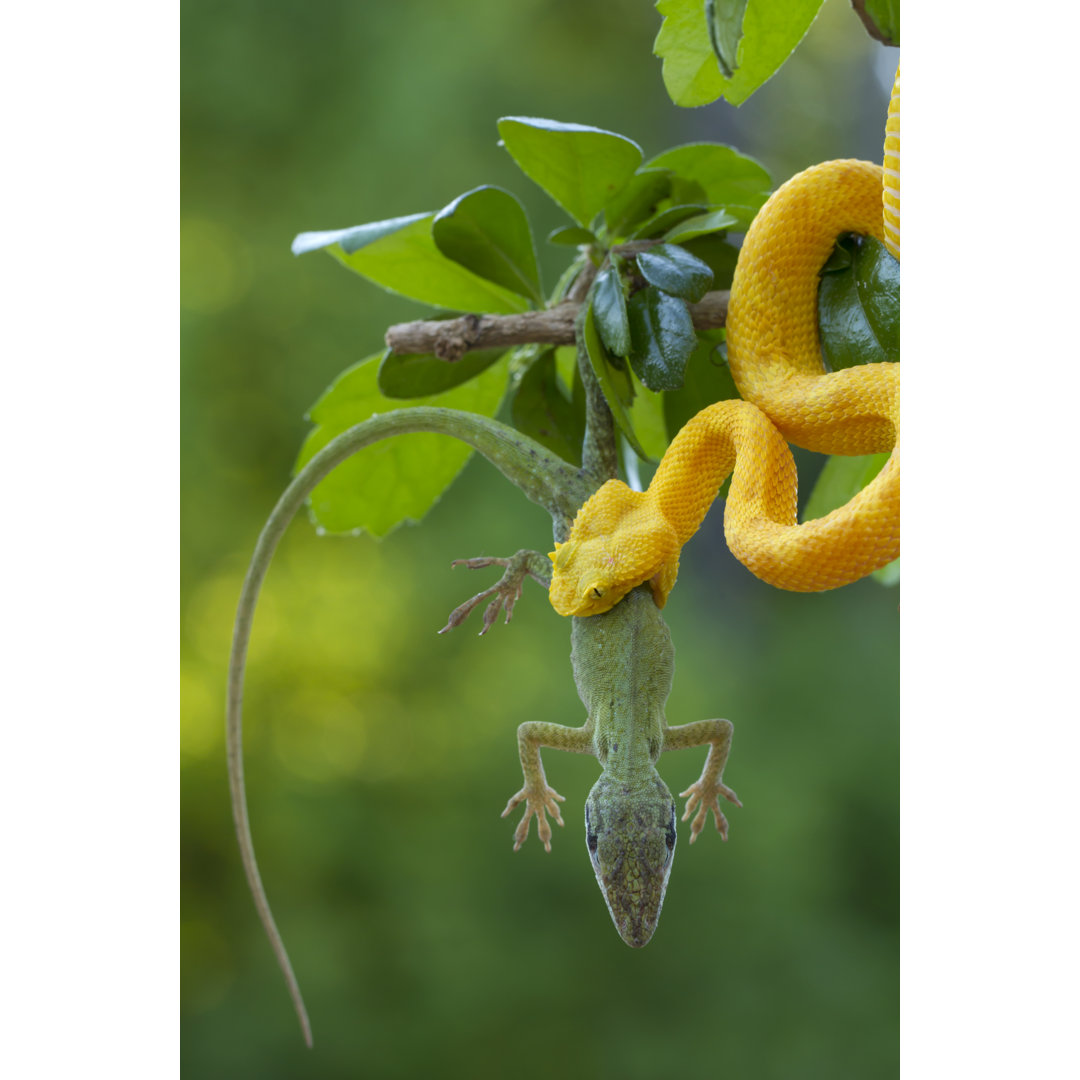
724, 19
707, 379
487, 232
881, 19
718, 255
889, 574
727, 178
614, 385
841, 479
580, 167
354, 238
702, 225
541, 410
415, 375
667, 219
771, 30
609, 308
571, 235
397, 480
637, 200
676, 271
647, 416
662, 335
400, 255
859, 305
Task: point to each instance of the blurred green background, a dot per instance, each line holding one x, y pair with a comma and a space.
379, 754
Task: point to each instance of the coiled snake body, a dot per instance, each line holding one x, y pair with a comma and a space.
622, 538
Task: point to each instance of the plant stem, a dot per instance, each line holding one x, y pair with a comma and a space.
450, 339
599, 457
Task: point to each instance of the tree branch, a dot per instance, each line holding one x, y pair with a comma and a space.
451, 339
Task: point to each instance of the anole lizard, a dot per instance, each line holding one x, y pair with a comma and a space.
623, 664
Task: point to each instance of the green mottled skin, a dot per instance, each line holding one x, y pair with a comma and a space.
623, 664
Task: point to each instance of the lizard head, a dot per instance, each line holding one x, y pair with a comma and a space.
617, 542
630, 834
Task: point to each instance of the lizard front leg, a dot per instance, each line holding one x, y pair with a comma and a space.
703, 793
506, 591
539, 798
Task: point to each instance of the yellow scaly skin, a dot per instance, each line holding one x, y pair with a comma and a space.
623, 538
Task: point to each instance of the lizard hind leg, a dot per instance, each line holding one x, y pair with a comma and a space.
703, 795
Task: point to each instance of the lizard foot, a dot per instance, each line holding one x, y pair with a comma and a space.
505, 592
540, 802
703, 795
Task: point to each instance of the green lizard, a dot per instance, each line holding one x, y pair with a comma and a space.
623, 664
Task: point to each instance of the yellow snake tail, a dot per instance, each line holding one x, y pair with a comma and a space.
890, 191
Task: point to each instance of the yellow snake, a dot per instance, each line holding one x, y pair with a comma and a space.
622, 538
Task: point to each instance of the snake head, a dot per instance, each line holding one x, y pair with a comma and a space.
630, 834
617, 542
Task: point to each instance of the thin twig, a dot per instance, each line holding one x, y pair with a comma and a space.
452, 338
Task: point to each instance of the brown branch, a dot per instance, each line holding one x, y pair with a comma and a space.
450, 339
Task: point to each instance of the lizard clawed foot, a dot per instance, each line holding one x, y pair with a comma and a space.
506, 591
703, 795
540, 802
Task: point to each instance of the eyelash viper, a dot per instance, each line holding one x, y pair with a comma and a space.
622, 538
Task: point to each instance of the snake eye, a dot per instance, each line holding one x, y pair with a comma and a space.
594, 591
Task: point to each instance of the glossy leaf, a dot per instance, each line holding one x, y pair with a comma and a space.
771, 30
614, 385
840, 480
397, 480
859, 304
400, 255
636, 201
676, 271
571, 236
718, 255
541, 410
702, 225
727, 177
662, 337
724, 21
609, 308
415, 375
487, 232
580, 167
